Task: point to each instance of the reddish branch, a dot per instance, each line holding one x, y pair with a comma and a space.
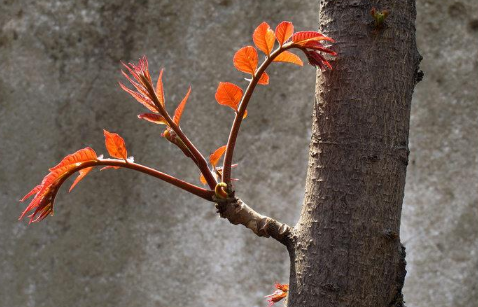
191, 188
236, 125
232, 209
197, 157
152, 97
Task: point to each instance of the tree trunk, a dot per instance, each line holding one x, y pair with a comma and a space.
346, 249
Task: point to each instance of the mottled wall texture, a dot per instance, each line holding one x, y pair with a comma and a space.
125, 239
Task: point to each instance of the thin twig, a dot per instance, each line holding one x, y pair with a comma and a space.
191, 188
198, 157
226, 175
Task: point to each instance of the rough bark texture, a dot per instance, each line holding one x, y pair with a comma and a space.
239, 213
347, 250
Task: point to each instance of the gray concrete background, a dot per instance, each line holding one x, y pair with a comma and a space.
124, 239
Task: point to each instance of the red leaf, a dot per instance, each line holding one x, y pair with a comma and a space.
145, 101
139, 71
142, 82
216, 155
321, 59
246, 60
45, 192
214, 159
153, 118
229, 94
279, 294
42, 197
115, 145
180, 108
35, 190
282, 287
202, 179
140, 88
83, 173
264, 79
318, 46
160, 89
316, 59
284, 31
82, 155
303, 37
288, 57
312, 60
264, 38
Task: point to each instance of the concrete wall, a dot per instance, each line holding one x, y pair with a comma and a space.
124, 239
440, 213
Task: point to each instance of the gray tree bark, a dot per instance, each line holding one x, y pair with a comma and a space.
345, 249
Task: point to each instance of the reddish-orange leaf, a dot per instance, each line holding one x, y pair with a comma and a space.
139, 71
82, 155
153, 118
324, 61
318, 46
160, 89
138, 86
229, 94
279, 294
115, 145
202, 179
45, 192
317, 59
214, 159
284, 31
35, 190
264, 79
306, 36
216, 155
180, 108
246, 59
288, 57
145, 101
264, 38
83, 173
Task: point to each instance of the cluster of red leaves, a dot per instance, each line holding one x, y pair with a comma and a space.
144, 94
152, 97
246, 58
154, 100
279, 294
44, 194
309, 43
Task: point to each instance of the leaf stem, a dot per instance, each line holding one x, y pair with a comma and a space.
198, 159
226, 175
191, 188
